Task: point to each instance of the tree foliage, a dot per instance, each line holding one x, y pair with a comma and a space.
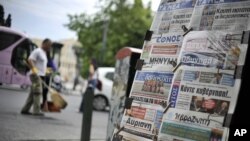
125, 23
4, 22
1, 15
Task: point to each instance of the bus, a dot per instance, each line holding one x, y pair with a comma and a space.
15, 48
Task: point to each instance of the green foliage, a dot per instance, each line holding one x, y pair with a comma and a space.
1, 15
126, 25
4, 22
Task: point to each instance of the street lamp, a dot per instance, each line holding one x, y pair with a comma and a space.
78, 52
104, 38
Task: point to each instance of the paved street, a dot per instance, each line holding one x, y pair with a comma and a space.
54, 126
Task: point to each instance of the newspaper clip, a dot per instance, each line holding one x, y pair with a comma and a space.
234, 37
128, 103
176, 67
171, 1
173, 63
208, 117
155, 138
148, 35
116, 136
119, 130
227, 120
238, 72
186, 30
139, 64
245, 37
166, 109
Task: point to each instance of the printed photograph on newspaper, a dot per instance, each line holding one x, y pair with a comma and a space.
213, 49
227, 15
151, 87
162, 51
204, 90
184, 125
172, 15
141, 122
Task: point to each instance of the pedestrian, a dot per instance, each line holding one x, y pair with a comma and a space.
92, 79
50, 69
37, 62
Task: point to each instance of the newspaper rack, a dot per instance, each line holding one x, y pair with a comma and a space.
186, 30
204, 84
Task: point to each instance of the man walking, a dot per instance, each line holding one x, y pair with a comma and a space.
37, 61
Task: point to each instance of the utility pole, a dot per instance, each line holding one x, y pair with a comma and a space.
104, 39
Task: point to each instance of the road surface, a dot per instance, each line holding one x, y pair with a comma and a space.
65, 126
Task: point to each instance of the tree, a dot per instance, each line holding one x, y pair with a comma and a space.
125, 23
4, 22
1, 15
8, 21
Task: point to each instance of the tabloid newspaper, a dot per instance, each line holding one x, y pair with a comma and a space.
204, 90
141, 122
171, 15
162, 51
213, 49
183, 125
151, 87
226, 15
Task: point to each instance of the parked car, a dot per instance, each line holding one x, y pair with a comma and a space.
102, 98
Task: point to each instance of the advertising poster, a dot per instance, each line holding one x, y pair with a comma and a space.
226, 15
151, 87
213, 49
172, 15
183, 125
204, 90
141, 122
162, 51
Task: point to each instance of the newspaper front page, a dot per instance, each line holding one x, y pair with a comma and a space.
141, 122
151, 87
183, 125
213, 49
162, 51
204, 90
226, 15
172, 15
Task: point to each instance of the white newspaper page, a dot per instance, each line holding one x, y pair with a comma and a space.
204, 90
226, 15
171, 15
141, 122
213, 49
162, 51
151, 87
183, 125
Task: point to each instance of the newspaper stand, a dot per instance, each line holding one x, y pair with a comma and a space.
125, 69
226, 112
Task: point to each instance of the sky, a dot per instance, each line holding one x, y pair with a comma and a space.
46, 18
